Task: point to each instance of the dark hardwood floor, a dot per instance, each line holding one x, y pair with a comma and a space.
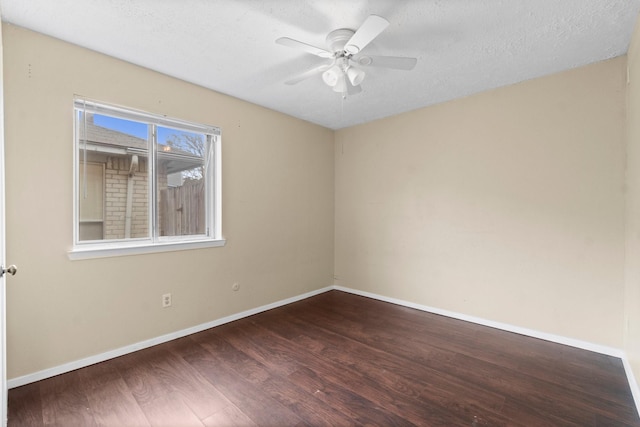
338, 359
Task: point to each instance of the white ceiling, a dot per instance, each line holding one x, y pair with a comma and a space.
463, 46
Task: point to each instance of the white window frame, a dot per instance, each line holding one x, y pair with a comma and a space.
153, 243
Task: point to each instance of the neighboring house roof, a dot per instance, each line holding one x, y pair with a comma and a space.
102, 135
102, 139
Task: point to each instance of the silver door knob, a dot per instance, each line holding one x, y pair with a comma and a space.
12, 270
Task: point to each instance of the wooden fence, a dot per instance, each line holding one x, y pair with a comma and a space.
182, 209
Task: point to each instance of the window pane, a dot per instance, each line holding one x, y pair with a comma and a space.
119, 148
91, 231
181, 178
91, 201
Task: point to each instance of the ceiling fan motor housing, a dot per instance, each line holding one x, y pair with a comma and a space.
337, 39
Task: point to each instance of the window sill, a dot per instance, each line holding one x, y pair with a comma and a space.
79, 253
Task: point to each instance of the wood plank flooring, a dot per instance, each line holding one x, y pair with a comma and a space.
338, 359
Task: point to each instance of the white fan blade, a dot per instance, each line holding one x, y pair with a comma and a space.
394, 62
307, 74
369, 30
286, 41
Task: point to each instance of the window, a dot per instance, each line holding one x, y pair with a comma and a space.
143, 183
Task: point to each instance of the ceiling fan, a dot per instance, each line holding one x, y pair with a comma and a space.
344, 73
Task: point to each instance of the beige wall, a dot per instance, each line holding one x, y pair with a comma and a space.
278, 184
507, 205
632, 271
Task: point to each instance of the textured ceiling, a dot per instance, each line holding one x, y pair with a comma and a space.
463, 46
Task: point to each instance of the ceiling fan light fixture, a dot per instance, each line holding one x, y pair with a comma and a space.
355, 75
332, 75
341, 84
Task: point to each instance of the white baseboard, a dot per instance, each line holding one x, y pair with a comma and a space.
633, 384
77, 364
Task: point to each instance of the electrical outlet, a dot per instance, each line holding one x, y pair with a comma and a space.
166, 300
235, 286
